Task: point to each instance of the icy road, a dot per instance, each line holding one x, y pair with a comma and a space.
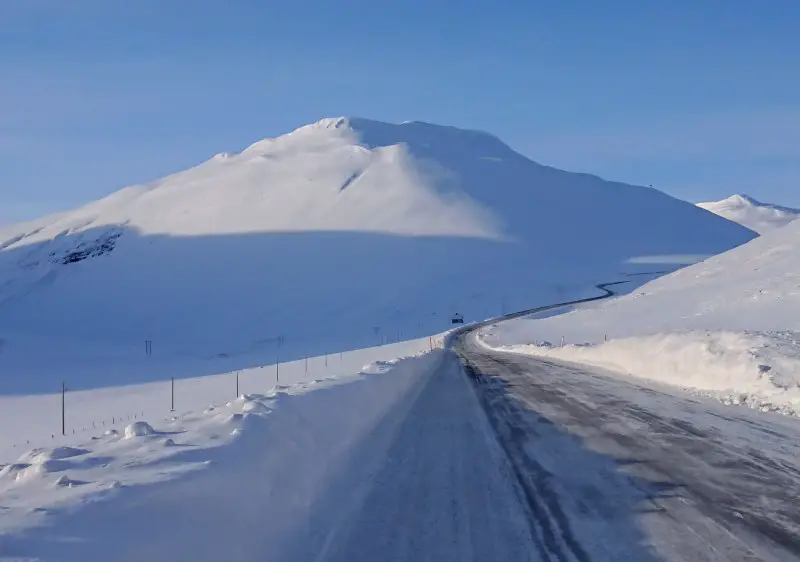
534, 460
610, 469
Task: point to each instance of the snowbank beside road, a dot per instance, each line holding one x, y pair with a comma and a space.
729, 325
35, 420
756, 369
258, 474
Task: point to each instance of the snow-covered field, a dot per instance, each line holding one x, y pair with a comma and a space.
34, 420
729, 326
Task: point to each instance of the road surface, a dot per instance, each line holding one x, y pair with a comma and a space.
612, 469
505, 457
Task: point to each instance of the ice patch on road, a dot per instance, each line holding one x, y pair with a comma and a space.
760, 370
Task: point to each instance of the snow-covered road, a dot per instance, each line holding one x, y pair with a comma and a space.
443, 491
617, 469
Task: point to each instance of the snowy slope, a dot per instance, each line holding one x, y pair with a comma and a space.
730, 325
340, 235
757, 216
271, 455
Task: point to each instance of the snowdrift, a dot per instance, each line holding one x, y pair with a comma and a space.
757, 370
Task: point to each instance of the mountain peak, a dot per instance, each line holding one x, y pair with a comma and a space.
751, 213
371, 133
332, 123
743, 199
326, 123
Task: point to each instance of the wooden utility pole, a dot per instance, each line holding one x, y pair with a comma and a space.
63, 408
278, 360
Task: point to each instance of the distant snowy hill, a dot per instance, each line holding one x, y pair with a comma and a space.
753, 287
757, 216
730, 325
341, 234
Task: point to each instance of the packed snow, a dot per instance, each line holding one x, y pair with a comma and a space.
729, 326
755, 215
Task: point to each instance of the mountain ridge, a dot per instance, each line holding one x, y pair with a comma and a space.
752, 213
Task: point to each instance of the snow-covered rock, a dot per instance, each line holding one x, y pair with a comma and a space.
755, 215
65, 482
138, 429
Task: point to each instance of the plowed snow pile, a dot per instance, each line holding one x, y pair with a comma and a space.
729, 326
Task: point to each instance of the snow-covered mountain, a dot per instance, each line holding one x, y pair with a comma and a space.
757, 216
341, 234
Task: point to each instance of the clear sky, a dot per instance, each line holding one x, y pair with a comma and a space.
700, 98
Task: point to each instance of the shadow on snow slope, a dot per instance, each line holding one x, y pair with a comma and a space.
82, 305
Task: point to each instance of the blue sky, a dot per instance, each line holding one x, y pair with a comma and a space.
700, 98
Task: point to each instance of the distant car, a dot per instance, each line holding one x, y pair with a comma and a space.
457, 319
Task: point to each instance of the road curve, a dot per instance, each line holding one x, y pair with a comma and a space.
611, 468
